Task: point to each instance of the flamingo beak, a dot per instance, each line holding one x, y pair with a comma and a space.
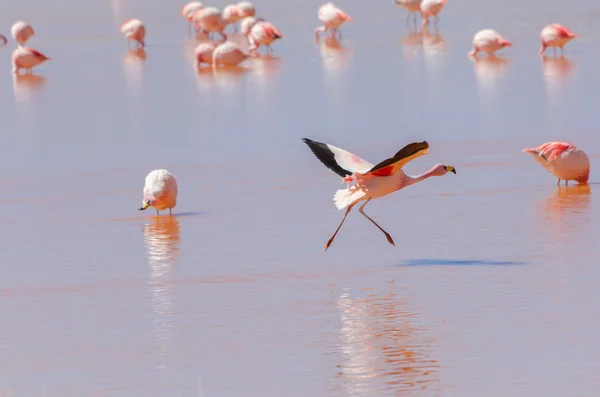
450, 168
507, 43
144, 206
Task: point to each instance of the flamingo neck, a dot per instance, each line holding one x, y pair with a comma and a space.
422, 177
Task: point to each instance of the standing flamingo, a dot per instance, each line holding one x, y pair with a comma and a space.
332, 18
188, 11
134, 30
431, 8
27, 58
488, 41
3, 41
259, 32
564, 160
21, 32
160, 191
210, 20
555, 35
372, 181
412, 6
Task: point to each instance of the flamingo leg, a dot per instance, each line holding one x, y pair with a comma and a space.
170, 213
558, 183
338, 228
157, 213
387, 235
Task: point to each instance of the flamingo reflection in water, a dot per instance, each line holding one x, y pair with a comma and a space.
162, 240
381, 344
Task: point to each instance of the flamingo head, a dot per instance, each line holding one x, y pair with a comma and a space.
441, 169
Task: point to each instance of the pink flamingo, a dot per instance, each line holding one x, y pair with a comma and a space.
431, 8
21, 32
188, 11
232, 14
27, 58
412, 6
372, 181
210, 20
134, 30
259, 32
555, 35
564, 160
3, 41
332, 18
246, 8
204, 53
160, 191
228, 54
488, 41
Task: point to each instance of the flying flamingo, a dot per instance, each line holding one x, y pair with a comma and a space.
259, 32
431, 8
488, 41
27, 58
372, 181
188, 11
332, 18
555, 35
412, 6
204, 53
160, 191
228, 54
134, 30
21, 32
563, 160
209, 19
3, 41
247, 9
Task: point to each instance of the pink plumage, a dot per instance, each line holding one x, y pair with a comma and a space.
431, 8
555, 36
332, 18
210, 20
562, 159
488, 41
27, 58
259, 33
160, 191
134, 30
21, 32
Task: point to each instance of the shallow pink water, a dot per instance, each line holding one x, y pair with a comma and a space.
492, 287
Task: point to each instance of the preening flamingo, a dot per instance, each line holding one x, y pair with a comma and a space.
188, 11
555, 35
27, 58
21, 32
412, 6
564, 160
332, 18
488, 41
134, 30
431, 8
259, 32
160, 191
3, 41
372, 181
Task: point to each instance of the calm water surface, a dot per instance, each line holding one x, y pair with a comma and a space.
491, 290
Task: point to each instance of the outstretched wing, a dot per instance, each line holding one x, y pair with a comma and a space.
394, 164
338, 160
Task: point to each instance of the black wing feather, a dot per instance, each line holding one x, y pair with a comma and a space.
407, 151
326, 156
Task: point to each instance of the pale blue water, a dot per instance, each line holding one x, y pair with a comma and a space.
492, 286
